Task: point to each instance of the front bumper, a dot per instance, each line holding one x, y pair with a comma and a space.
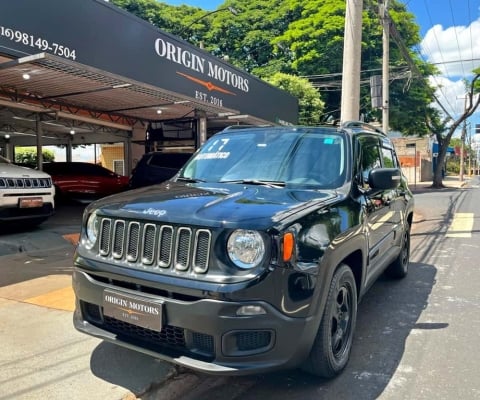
14, 213
201, 334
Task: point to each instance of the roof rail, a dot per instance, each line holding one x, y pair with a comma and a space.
360, 124
233, 127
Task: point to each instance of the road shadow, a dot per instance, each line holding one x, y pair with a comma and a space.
129, 369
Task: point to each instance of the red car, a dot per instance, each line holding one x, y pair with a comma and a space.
82, 181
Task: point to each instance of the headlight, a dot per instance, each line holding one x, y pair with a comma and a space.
245, 248
93, 223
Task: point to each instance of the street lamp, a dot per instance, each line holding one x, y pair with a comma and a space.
230, 9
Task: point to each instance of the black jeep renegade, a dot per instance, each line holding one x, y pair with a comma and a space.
254, 256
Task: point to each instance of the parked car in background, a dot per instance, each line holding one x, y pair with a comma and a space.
157, 167
82, 181
26, 195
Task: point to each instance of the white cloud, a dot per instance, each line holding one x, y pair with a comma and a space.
456, 52
450, 93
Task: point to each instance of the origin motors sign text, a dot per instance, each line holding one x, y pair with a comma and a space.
197, 63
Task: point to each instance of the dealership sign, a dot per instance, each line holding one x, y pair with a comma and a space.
99, 34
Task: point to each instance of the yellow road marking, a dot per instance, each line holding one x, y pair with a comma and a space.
461, 226
53, 291
72, 238
61, 299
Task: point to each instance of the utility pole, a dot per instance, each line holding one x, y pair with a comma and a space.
352, 46
385, 65
462, 148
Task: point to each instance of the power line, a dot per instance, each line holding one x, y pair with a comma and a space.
456, 35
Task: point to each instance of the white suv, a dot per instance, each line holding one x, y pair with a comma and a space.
26, 195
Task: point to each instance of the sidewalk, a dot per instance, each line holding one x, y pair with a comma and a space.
450, 182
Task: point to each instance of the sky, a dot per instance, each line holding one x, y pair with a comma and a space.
449, 29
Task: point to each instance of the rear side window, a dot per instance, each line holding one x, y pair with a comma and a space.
389, 159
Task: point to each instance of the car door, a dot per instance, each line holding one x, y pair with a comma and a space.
396, 197
99, 181
378, 206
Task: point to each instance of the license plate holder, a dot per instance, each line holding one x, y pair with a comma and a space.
134, 310
30, 202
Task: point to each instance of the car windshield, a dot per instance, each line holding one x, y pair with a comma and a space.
272, 157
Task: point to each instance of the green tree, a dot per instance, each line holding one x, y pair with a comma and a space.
310, 105
166, 17
28, 155
305, 38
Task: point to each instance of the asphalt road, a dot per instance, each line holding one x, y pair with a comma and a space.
415, 339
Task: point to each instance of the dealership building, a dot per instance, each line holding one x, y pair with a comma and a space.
84, 72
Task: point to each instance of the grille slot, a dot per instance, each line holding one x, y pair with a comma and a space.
105, 233
182, 245
148, 252
25, 183
165, 246
149, 245
118, 238
133, 240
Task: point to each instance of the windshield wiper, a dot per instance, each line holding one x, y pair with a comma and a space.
190, 180
272, 184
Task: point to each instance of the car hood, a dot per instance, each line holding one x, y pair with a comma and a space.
15, 171
227, 205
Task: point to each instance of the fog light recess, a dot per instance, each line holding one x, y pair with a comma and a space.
250, 310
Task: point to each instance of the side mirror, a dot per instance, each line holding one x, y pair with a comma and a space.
384, 178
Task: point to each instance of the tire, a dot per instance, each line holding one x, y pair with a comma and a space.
331, 349
398, 269
59, 196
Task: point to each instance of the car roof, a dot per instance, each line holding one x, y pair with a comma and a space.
352, 127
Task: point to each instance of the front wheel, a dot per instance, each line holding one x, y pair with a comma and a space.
331, 349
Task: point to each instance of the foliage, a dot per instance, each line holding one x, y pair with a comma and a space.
28, 155
166, 17
310, 104
305, 39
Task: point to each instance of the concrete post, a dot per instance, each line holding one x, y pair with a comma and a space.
350, 105
39, 132
201, 134
385, 66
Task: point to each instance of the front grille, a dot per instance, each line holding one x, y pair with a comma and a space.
25, 183
202, 342
148, 245
170, 336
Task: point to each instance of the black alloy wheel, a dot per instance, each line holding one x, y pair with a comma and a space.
331, 350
